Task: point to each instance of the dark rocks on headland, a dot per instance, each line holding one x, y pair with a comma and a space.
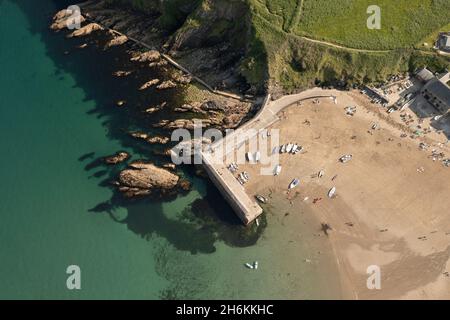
147, 138
117, 158
148, 56
143, 179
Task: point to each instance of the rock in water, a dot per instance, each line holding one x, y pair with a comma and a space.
142, 178
117, 158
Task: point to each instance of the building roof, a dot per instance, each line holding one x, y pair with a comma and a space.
447, 41
444, 41
439, 90
425, 75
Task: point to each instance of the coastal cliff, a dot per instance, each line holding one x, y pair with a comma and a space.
256, 47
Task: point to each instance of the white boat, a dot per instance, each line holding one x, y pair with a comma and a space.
346, 158
255, 265
289, 147
277, 170
249, 265
257, 156
294, 148
243, 177
299, 149
250, 157
332, 192
294, 183
257, 222
246, 176
321, 174
283, 149
261, 198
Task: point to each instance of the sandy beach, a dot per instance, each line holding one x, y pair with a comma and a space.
392, 204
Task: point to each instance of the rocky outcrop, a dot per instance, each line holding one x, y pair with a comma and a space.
169, 84
154, 109
60, 20
147, 138
149, 84
116, 41
117, 158
85, 30
141, 179
189, 124
169, 166
148, 56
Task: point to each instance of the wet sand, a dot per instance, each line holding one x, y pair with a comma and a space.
392, 203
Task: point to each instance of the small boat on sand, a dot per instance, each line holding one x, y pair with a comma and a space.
277, 170
294, 148
332, 192
255, 265
289, 147
257, 156
283, 149
294, 184
261, 198
250, 266
250, 158
346, 158
321, 174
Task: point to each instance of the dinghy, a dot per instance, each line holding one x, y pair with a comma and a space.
261, 198
294, 183
346, 158
294, 148
250, 157
277, 170
255, 265
321, 174
289, 147
257, 156
283, 149
332, 192
250, 266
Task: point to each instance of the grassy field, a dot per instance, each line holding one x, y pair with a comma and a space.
403, 22
294, 62
278, 55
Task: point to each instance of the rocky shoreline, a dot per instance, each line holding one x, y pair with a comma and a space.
143, 178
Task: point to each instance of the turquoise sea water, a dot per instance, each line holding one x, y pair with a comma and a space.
57, 116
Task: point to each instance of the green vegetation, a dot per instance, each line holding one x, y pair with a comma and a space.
282, 38
369, 55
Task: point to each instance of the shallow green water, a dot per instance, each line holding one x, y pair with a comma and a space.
56, 118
